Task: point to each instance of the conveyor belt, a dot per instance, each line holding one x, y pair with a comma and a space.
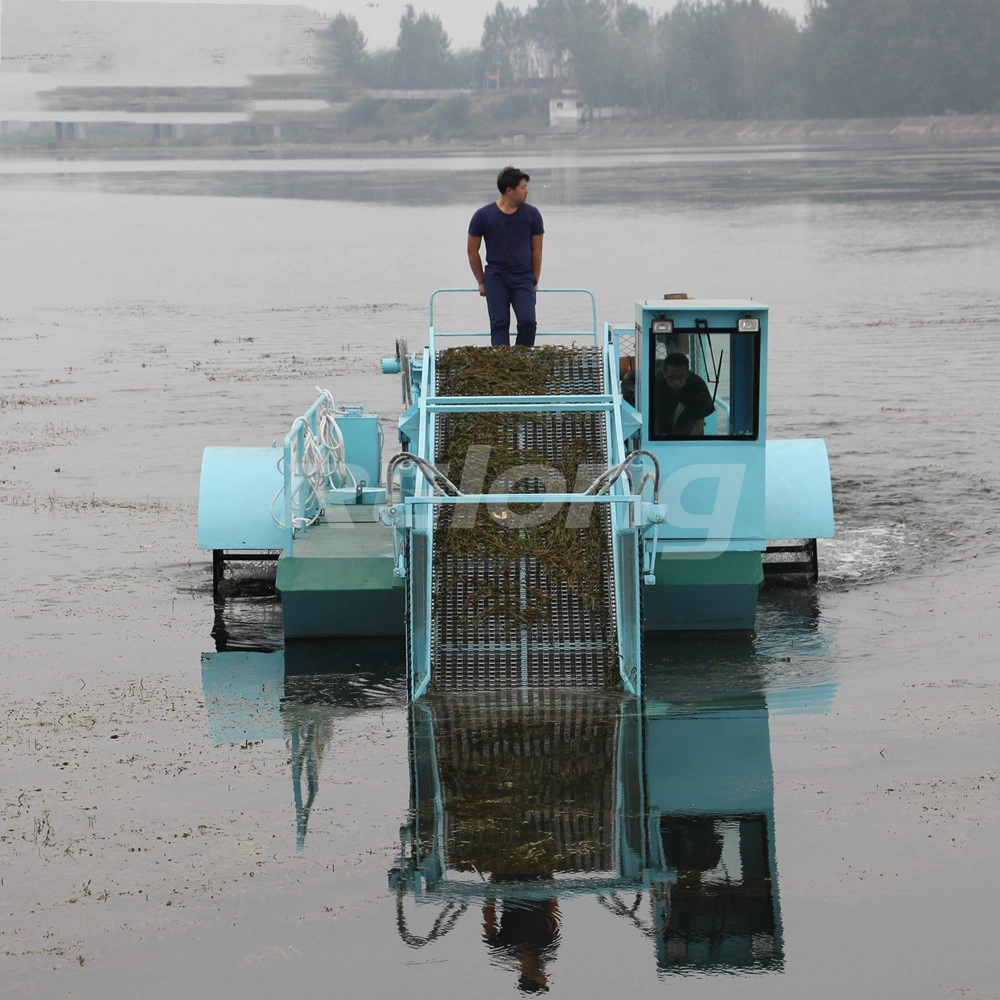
546, 615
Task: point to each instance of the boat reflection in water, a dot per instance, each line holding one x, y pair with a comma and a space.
298, 694
660, 810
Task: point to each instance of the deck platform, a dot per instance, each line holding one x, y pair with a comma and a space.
338, 579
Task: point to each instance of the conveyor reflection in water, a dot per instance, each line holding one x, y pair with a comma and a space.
660, 810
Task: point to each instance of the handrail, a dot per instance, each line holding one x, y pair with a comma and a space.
291, 468
502, 499
314, 440
527, 404
540, 333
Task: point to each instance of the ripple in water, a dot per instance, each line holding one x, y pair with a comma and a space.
863, 554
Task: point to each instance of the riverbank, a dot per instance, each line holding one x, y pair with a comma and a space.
619, 133
633, 133
934, 128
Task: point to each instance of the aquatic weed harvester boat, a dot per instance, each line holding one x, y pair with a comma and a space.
548, 506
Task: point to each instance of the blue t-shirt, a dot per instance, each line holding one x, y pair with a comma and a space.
508, 237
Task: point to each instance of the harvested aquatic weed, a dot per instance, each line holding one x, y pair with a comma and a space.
521, 452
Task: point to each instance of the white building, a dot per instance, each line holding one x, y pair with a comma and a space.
89, 42
567, 111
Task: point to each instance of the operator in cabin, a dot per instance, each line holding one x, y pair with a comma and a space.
681, 400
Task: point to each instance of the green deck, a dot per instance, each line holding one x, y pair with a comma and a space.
698, 593
338, 579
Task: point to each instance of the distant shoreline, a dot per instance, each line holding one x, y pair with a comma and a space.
940, 128
638, 133
608, 134
678, 133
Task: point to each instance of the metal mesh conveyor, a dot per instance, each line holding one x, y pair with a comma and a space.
524, 594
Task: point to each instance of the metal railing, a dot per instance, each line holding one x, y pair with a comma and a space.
591, 333
304, 477
629, 533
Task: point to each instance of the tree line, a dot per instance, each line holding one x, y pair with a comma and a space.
704, 59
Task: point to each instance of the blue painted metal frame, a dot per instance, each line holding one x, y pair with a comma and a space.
421, 533
706, 468
626, 510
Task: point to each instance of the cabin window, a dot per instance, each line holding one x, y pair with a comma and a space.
704, 383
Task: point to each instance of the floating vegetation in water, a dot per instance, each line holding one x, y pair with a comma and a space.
20, 400
146, 506
48, 436
523, 452
17, 498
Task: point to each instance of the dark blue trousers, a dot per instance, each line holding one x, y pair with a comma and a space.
503, 293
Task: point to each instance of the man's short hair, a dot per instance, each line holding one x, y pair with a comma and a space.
681, 360
510, 177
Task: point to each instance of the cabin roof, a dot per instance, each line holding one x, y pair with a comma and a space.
698, 305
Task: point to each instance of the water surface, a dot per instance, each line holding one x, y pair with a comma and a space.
186, 806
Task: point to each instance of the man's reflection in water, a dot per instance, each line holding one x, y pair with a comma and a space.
721, 909
692, 844
526, 936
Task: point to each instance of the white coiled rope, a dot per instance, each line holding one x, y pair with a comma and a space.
322, 459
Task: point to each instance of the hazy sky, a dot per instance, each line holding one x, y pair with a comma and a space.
462, 19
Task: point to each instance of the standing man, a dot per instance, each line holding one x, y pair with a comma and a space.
513, 231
